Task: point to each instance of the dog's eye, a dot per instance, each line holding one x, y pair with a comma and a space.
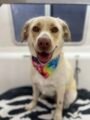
54, 29
35, 29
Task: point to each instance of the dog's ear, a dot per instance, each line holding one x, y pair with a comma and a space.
25, 31
66, 30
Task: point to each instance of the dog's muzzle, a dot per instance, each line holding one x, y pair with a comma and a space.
44, 44
44, 47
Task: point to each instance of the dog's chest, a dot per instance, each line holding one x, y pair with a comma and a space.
48, 86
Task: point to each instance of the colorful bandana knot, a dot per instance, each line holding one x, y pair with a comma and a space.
45, 69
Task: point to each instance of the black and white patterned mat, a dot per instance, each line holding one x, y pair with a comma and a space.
12, 106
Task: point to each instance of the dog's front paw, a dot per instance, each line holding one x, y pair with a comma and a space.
57, 115
30, 106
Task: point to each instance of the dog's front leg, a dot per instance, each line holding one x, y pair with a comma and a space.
59, 103
33, 104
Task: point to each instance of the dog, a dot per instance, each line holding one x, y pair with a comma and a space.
51, 73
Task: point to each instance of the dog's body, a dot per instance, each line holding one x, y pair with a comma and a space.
46, 36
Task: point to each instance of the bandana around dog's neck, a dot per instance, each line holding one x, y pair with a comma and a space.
45, 69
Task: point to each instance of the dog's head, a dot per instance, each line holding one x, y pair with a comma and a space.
45, 36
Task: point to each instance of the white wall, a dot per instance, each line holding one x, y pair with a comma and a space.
14, 67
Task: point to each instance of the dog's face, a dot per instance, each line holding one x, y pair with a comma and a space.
45, 36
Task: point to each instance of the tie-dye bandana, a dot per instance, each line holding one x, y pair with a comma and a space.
45, 69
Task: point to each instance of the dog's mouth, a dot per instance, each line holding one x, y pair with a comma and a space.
44, 57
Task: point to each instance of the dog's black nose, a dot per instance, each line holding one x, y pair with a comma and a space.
44, 43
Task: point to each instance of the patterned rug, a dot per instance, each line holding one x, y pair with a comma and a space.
12, 106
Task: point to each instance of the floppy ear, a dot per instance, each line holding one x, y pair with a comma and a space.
25, 32
66, 31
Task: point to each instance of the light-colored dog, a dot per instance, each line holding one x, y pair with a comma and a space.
46, 36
